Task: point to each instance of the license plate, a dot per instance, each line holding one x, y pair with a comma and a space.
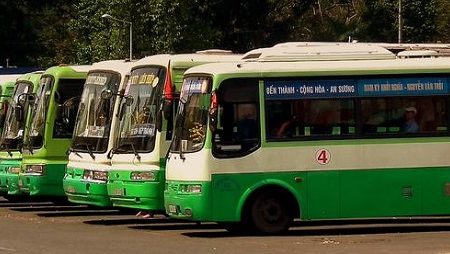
70, 189
172, 209
118, 192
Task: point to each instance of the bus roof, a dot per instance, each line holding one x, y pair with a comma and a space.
205, 56
121, 66
270, 69
442, 49
9, 77
325, 52
67, 70
32, 77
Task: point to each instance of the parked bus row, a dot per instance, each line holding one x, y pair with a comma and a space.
307, 131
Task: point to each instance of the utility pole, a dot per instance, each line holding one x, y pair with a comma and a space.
400, 22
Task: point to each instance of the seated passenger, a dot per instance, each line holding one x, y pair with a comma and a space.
410, 125
287, 128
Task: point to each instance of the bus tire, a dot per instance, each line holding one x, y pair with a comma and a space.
269, 213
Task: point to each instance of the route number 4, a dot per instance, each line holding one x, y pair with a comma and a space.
323, 156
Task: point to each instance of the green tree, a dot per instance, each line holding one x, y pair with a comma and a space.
420, 21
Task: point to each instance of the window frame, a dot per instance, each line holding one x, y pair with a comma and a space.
357, 111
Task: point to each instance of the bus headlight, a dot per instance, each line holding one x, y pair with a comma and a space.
143, 176
101, 175
88, 175
35, 169
14, 170
191, 188
95, 175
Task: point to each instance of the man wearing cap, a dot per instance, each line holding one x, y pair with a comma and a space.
410, 125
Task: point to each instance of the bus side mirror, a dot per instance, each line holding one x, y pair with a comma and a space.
18, 113
213, 119
23, 98
106, 94
161, 112
167, 108
128, 102
159, 121
213, 115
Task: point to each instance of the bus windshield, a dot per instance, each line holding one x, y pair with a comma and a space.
42, 101
190, 125
13, 130
95, 114
138, 120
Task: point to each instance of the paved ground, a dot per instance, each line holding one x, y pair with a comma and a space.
43, 227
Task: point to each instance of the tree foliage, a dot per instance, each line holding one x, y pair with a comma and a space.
72, 31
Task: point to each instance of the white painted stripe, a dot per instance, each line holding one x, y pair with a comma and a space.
7, 249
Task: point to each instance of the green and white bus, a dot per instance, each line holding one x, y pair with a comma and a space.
45, 151
258, 144
95, 129
17, 119
6, 87
137, 177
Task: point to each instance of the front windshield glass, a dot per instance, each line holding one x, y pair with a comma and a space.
12, 137
138, 120
190, 125
42, 101
95, 114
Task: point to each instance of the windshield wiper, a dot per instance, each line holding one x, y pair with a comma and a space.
136, 154
8, 151
71, 150
88, 148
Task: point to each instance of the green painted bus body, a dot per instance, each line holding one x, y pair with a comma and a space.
144, 195
321, 195
14, 161
88, 192
80, 191
52, 155
149, 195
6, 90
316, 194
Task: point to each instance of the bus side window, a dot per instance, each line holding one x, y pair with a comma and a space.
238, 131
67, 98
404, 115
294, 119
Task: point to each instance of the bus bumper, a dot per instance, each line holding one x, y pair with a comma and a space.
3, 184
12, 181
40, 185
182, 204
85, 192
5, 180
137, 194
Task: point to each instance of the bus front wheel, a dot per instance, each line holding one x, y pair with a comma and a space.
270, 213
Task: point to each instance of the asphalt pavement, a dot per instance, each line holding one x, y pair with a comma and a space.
44, 227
